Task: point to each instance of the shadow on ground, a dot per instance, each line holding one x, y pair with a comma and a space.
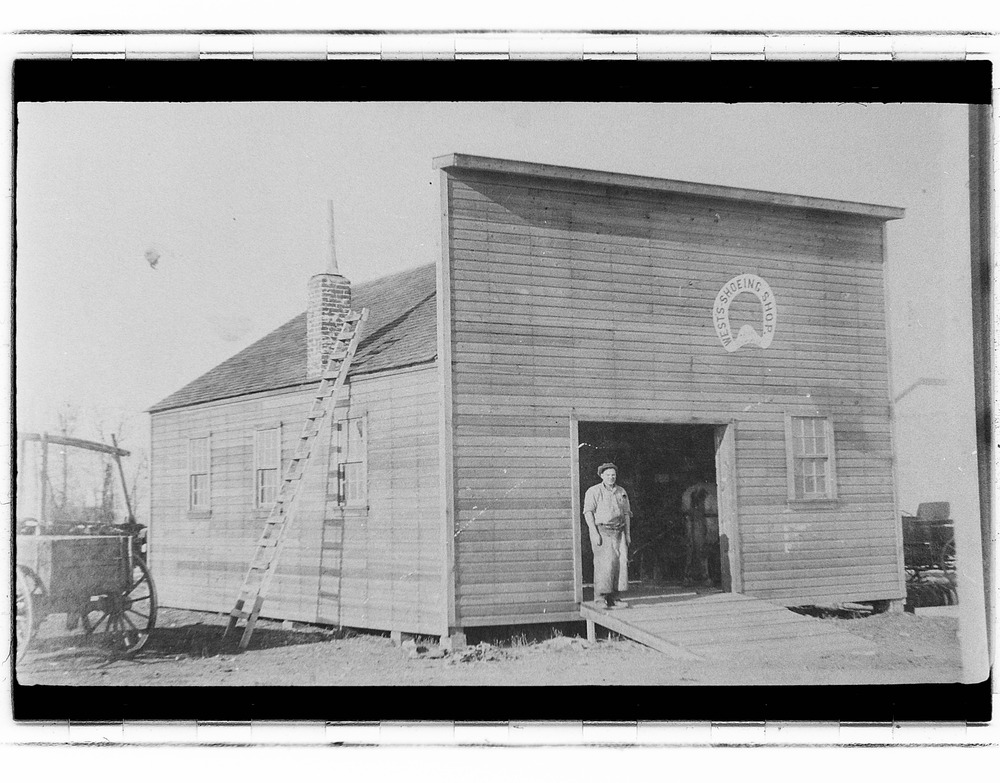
204, 640
520, 635
191, 640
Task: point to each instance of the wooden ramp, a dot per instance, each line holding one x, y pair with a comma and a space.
695, 626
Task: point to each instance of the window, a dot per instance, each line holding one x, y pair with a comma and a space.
199, 462
811, 458
266, 465
352, 463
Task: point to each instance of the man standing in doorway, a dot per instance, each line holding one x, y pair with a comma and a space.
609, 519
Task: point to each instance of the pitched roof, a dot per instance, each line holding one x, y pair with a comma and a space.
401, 331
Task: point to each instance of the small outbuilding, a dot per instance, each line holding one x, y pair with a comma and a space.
689, 333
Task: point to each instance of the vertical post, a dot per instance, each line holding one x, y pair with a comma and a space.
446, 443
574, 457
981, 225
43, 495
22, 453
65, 475
591, 632
332, 260
897, 520
121, 472
725, 477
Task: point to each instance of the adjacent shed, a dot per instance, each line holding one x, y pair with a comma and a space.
689, 333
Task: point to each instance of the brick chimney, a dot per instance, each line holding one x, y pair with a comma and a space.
329, 303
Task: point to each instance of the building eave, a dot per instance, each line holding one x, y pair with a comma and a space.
460, 161
303, 386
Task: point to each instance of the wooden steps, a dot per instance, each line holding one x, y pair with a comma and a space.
720, 625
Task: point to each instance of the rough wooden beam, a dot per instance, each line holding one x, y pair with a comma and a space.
61, 440
614, 621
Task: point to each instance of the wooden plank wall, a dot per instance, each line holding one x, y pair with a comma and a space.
571, 297
379, 569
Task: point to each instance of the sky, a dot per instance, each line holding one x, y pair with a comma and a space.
230, 201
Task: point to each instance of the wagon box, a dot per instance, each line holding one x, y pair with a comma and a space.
74, 568
73, 557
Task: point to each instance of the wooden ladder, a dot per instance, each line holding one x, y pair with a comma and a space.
265, 559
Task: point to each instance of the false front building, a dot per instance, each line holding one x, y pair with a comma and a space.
688, 333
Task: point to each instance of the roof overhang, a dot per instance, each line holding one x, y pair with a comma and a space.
460, 161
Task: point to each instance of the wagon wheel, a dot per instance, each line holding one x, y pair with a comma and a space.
27, 623
126, 620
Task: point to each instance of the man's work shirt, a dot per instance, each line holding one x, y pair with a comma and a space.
610, 506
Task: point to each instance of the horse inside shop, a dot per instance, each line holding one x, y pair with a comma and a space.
700, 508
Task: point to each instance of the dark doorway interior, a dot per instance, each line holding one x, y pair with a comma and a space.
656, 463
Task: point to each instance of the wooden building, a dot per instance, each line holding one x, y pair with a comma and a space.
686, 332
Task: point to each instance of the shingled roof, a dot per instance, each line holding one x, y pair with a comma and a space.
401, 331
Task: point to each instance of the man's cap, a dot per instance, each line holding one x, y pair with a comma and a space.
607, 466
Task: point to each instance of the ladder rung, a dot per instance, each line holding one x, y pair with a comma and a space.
261, 570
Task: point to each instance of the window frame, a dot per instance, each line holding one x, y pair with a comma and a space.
791, 456
206, 507
257, 485
341, 442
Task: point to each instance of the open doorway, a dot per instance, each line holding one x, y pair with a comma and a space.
656, 464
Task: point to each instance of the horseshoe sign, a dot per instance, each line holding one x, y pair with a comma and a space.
750, 284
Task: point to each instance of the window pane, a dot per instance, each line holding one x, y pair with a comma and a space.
810, 457
267, 486
355, 438
199, 455
808, 436
267, 448
821, 477
809, 484
199, 487
354, 482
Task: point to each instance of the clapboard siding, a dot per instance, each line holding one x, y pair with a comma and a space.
572, 298
376, 568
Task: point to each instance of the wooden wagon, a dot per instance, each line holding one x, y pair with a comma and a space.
929, 540
93, 570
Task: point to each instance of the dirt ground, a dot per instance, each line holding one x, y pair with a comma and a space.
185, 649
